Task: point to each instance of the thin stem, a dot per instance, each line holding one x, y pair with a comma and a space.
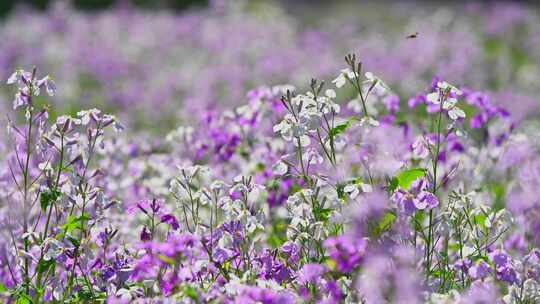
26, 190
434, 191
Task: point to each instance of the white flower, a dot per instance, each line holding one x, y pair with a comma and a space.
335, 107
45, 166
531, 290
14, 77
378, 85
218, 185
312, 157
310, 121
455, 113
449, 103
369, 121
18, 75
53, 249
443, 87
341, 80
297, 221
352, 190
86, 115
330, 93
256, 193
433, 97
252, 224
284, 128
282, 89
318, 230
304, 141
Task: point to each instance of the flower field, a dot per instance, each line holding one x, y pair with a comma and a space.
264, 152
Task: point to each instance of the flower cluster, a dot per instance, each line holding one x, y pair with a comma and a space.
341, 194
231, 46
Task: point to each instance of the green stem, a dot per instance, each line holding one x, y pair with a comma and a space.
83, 222
26, 190
434, 191
304, 175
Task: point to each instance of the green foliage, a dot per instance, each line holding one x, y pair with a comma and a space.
22, 298
498, 190
386, 221
340, 128
278, 233
480, 219
48, 197
405, 178
43, 266
321, 213
73, 223
190, 292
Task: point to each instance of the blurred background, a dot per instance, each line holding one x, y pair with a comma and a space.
155, 63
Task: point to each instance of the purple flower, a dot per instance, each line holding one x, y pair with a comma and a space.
220, 255
404, 201
420, 147
47, 83
291, 251
391, 102
346, 251
254, 294
417, 198
21, 99
416, 100
499, 258
507, 274
463, 264
503, 267
145, 234
171, 220
310, 273
426, 200
479, 270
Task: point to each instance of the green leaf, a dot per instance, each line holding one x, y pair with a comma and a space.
48, 197
407, 177
393, 184
278, 233
499, 192
340, 128
454, 246
191, 293
74, 241
73, 223
43, 266
167, 259
480, 219
386, 221
3, 288
322, 213
23, 299
340, 190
